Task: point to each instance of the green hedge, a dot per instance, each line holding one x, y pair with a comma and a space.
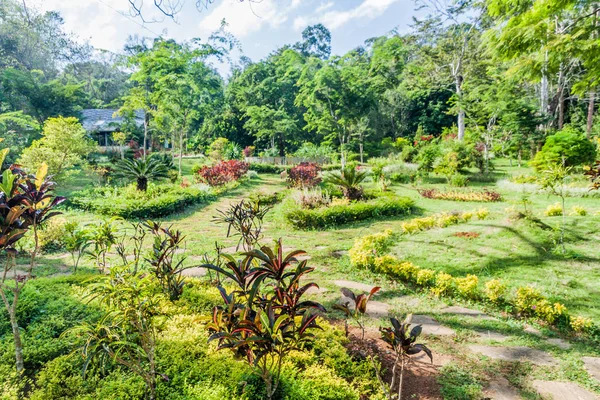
343, 214
268, 168
158, 201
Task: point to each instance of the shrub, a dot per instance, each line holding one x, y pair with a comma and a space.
527, 299
343, 214
349, 180
366, 248
568, 145
468, 287
554, 210
443, 285
222, 172
495, 290
51, 237
459, 180
580, 324
311, 198
304, 175
425, 277
426, 157
142, 170
484, 196
266, 199
482, 213
578, 210
441, 220
129, 203
267, 168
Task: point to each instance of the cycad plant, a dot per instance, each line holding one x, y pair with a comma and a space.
349, 179
142, 171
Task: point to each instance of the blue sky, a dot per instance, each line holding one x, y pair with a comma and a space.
261, 26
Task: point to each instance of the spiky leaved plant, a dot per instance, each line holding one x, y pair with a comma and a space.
349, 179
360, 306
142, 170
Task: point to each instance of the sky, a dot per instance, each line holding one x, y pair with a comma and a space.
260, 25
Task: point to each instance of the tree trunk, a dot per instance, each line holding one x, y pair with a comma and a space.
142, 183
180, 150
561, 98
461, 112
146, 123
17, 338
590, 113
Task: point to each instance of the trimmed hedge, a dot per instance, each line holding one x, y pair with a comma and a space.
268, 168
343, 214
158, 201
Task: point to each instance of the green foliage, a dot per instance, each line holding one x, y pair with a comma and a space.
142, 170
130, 203
349, 180
64, 143
427, 156
267, 168
457, 383
568, 146
327, 217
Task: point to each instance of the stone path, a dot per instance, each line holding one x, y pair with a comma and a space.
491, 335
467, 312
563, 390
592, 365
518, 353
431, 326
501, 389
195, 271
561, 344
363, 287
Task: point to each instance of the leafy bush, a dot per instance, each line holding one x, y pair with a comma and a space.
267, 168
304, 175
580, 324
367, 248
578, 210
459, 180
444, 284
495, 290
349, 180
266, 199
129, 203
427, 156
468, 287
440, 220
51, 237
485, 196
554, 210
222, 172
343, 214
568, 144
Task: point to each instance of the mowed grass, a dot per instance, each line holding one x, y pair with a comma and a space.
518, 251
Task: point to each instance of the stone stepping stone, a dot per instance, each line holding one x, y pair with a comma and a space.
339, 253
491, 335
561, 344
354, 286
518, 353
321, 248
563, 390
468, 312
501, 389
431, 326
592, 365
532, 330
304, 257
314, 290
195, 271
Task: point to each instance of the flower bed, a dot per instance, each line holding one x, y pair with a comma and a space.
524, 302
453, 195
336, 215
304, 175
129, 203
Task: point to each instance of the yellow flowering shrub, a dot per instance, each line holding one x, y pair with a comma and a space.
554, 210
444, 284
578, 210
580, 324
468, 287
527, 299
425, 277
466, 216
367, 248
482, 213
495, 290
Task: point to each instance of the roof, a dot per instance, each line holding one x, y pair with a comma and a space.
106, 120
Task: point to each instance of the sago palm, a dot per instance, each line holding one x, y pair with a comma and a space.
349, 179
142, 170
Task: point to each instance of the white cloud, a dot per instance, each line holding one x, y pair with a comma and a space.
245, 18
324, 7
333, 19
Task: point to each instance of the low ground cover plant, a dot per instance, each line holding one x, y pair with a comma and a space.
454, 195
129, 203
337, 215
